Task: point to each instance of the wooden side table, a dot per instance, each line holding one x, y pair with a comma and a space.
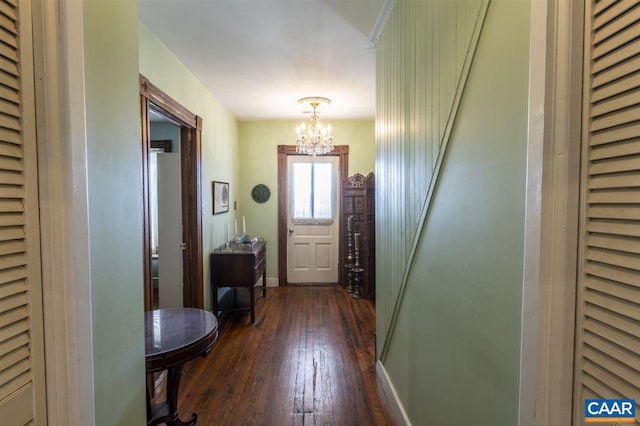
173, 337
239, 265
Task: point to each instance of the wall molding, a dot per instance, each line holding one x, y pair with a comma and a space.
426, 206
396, 409
381, 21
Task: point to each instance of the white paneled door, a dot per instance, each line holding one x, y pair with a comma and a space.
312, 219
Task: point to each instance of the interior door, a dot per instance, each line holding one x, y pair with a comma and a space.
170, 267
607, 362
22, 379
312, 219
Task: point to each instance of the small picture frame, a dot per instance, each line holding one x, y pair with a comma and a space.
220, 197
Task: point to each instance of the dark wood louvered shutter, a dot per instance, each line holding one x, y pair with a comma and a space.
21, 341
608, 300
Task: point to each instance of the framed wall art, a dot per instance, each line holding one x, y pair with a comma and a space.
220, 197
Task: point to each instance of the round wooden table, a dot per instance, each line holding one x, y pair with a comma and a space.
173, 337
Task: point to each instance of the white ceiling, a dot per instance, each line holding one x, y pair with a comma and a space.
258, 57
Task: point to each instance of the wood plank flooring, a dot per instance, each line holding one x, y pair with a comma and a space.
309, 359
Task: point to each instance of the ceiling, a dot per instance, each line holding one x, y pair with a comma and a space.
258, 57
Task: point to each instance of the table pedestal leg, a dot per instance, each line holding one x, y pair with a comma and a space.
167, 412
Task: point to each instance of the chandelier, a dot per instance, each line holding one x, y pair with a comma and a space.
314, 138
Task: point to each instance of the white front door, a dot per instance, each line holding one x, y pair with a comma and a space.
312, 219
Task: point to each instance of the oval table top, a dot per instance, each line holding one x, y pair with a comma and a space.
174, 336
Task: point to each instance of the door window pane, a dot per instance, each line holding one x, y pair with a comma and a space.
302, 191
312, 191
322, 190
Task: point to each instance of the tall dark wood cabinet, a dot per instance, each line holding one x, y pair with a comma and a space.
358, 201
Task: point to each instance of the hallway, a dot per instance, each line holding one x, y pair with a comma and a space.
309, 359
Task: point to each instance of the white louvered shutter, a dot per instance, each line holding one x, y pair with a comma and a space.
608, 300
21, 341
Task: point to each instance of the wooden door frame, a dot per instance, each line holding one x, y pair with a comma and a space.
283, 186
190, 159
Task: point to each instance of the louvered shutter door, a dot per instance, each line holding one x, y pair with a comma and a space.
608, 308
20, 300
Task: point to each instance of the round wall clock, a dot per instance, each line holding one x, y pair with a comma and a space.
260, 193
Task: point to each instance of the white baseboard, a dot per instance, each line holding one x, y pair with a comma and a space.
273, 282
395, 406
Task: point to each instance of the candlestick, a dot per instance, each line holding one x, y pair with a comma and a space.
349, 261
356, 270
244, 226
236, 221
227, 232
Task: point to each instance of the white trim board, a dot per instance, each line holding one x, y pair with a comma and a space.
382, 21
551, 217
61, 141
391, 396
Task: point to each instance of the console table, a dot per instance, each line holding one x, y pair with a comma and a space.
238, 265
172, 337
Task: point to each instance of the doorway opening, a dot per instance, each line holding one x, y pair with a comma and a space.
165, 201
179, 163
305, 252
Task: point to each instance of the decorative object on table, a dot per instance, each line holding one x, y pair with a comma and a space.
260, 193
243, 238
314, 138
220, 197
358, 214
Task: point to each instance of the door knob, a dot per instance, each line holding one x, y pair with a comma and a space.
183, 246
290, 230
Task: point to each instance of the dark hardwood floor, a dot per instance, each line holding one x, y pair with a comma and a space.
308, 359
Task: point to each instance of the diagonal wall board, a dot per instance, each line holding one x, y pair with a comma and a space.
451, 117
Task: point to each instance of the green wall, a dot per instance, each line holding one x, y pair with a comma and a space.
259, 164
115, 210
219, 135
453, 353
